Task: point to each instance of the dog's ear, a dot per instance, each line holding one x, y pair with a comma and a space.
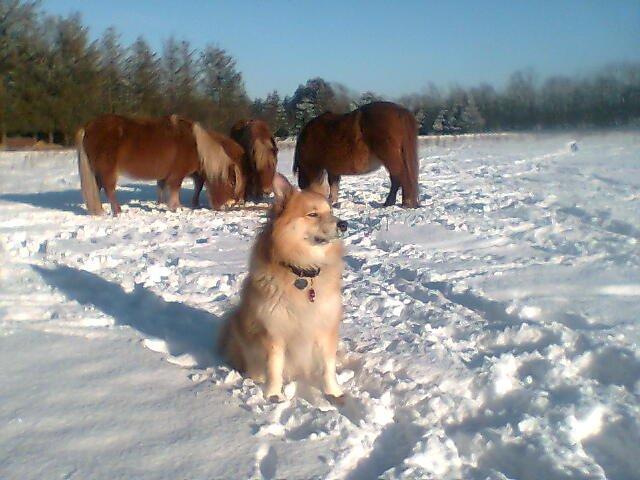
282, 190
320, 186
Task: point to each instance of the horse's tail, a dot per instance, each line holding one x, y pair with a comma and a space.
214, 161
410, 160
88, 182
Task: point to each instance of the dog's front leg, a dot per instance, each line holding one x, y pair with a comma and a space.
275, 370
328, 346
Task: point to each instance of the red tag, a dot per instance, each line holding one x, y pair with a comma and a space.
312, 295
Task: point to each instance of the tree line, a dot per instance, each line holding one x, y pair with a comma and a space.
54, 79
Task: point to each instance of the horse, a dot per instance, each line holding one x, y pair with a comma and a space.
223, 192
166, 149
374, 135
261, 155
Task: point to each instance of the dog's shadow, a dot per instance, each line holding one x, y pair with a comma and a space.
185, 330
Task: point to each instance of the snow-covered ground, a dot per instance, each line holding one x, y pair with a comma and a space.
492, 333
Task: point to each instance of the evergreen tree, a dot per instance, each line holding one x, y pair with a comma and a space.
470, 118
223, 88
74, 76
112, 77
440, 123
144, 80
179, 78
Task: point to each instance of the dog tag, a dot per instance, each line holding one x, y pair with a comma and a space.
312, 295
301, 283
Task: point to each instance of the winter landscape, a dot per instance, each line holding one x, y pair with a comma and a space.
491, 333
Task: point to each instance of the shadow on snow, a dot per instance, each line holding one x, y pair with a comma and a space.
185, 329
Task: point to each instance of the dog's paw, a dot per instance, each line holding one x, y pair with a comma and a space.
274, 394
337, 400
276, 398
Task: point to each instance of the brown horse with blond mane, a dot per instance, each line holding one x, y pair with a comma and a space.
374, 135
166, 149
261, 155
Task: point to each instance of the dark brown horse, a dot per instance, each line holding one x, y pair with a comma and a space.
261, 155
166, 149
374, 135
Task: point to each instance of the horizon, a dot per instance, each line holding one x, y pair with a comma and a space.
277, 48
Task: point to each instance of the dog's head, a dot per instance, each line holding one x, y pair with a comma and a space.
305, 232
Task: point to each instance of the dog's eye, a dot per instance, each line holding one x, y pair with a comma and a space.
312, 214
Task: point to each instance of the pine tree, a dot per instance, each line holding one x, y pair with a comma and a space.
180, 77
440, 123
75, 76
112, 78
223, 87
142, 69
470, 118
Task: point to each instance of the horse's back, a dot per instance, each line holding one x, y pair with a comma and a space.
146, 148
386, 123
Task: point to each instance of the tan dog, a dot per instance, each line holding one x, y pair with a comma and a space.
288, 319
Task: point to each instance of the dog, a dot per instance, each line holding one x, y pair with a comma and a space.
288, 319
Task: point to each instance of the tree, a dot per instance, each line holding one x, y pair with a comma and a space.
366, 98
223, 88
19, 47
179, 77
313, 98
470, 118
75, 75
112, 78
142, 69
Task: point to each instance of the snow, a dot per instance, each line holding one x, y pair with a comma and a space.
491, 333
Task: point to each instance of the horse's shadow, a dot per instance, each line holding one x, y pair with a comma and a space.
185, 330
71, 200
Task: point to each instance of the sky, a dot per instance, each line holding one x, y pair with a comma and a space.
391, 48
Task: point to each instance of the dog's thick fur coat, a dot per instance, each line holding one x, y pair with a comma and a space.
279, 331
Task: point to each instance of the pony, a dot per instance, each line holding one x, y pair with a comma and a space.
374, 135
223, 192
166, 149
261, 155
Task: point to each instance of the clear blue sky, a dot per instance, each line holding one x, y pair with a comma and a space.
384, 46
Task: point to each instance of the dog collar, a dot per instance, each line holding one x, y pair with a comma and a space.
301, 282
303, 272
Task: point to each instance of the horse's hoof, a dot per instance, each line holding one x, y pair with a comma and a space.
338, 401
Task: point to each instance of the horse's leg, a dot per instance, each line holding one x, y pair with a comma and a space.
198, 183
109, 185
161, 184
334, 186
174, 185
393, 193
409, 190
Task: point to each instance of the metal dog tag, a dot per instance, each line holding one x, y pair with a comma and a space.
301, 283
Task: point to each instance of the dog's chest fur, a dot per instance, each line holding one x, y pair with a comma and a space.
286, 309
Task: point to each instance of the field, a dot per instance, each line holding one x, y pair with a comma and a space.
492, 333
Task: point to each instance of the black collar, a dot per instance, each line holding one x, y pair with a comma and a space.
303, 272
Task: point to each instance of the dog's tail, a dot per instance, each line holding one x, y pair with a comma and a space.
88, 182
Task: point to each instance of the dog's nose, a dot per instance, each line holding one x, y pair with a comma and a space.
342, 225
